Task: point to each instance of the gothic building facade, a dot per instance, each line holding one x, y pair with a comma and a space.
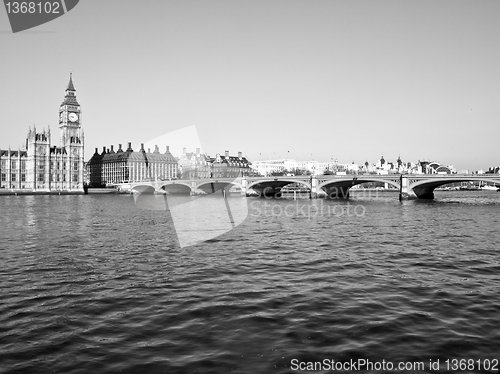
42, 167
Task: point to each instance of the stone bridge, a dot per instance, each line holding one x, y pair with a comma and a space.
419, 186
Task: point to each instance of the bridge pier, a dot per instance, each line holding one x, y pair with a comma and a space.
193, 189
405, 192
314, 189
243, 187
403, 188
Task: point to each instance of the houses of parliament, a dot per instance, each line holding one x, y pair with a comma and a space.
43, 167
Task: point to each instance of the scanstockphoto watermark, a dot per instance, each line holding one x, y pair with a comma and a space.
320, 208
335, 203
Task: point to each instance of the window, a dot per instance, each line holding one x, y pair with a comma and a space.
75, 177
23, 164
3, 177
23, 177
64, 177
75, 165
2, 164
14, 164
40, 177
13, 177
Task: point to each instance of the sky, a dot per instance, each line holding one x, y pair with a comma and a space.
348, 80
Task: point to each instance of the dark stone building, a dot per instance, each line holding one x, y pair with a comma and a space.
112, 167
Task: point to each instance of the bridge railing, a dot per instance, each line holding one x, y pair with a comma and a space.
331, 176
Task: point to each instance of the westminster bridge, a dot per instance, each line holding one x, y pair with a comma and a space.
410, 186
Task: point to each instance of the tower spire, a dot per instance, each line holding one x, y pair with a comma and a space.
70, 97
71, 87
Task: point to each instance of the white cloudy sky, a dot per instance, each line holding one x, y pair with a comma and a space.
351, 80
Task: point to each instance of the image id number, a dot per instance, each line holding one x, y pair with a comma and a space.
471, 364
32, 7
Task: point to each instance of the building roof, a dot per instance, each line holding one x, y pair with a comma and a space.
150, 157
193, 158
58, 150
70, 97
6, 152
115, 157
132, 156
232, 161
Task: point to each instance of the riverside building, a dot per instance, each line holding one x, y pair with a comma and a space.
112, 167
43, 167
194, 165
226, 166
197, 165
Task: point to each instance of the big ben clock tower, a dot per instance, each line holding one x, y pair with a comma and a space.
72, 138
70, 116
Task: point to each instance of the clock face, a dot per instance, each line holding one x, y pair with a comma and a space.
41, 150
75, 151
73, 117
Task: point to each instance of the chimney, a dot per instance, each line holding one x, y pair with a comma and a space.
112, 150
227, 153
149, 150
239, 154
142, 147
120, 148
168, 149
107, 151
129, 149
184, 150
104, 150
96, 151
197, 151
157, 149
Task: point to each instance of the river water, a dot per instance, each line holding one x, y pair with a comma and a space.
103, 284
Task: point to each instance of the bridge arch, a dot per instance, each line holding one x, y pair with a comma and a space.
142, 188
175, 188
272, 188
216, 185
286, 181
339, 188
424, 189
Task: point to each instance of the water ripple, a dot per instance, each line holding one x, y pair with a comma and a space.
92, 284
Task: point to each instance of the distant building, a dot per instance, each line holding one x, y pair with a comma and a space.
110, 167
291, 166
197, 165
270, 167
194, 165
43, 167
436, 168
229, 166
